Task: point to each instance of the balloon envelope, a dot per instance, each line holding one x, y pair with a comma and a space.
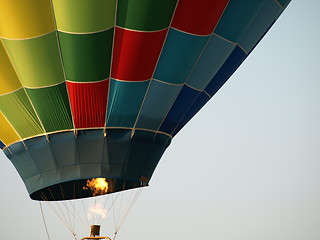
98, 90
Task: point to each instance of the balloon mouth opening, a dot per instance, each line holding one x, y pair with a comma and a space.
84, 188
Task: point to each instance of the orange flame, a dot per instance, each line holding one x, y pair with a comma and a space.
98, 186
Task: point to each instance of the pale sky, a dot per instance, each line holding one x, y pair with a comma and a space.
246, 167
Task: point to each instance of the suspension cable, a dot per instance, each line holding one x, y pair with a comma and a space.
115, 235
113, 210
44, 221
68, 219
119, 211
85, 211
61, 217
129, 209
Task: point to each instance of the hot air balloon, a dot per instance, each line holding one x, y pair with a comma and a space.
98, 89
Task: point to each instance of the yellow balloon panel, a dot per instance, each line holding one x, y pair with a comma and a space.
82, 16
8, 79
7, 134
37, 60
21, 19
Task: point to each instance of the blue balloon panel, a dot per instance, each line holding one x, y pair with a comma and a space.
179, 55
227, 69
160, 98
124, 102
184, 102
264, 19
197, 105
212, 58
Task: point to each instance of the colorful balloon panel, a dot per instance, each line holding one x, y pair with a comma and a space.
135, 54
125, 101
86, 57
99, 90
9, 81
81, 16
7, 132
145, 15
20, 19
176, 60
45, 66
19, 112
88, 103
198, 17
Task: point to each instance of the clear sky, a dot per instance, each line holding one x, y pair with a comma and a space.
246, 167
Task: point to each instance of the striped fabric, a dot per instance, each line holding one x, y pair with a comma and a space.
150, 65
135, 64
